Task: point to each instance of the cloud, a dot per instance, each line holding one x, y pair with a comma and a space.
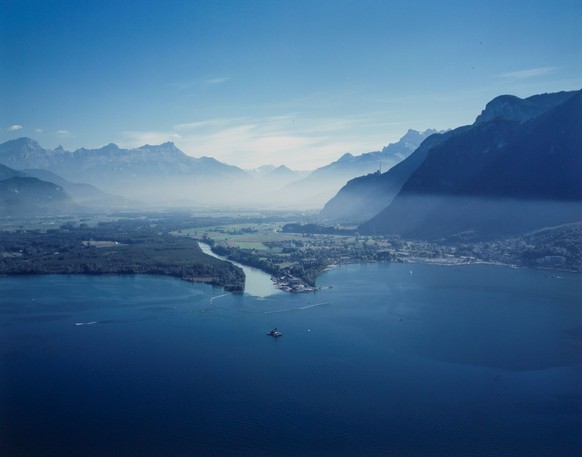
198, 84
207, 124
14, 127
289, 139
216, 81
529, 73
63, 133
37, 130
134, 138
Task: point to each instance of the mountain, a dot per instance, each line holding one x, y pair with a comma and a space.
363, 197
147, 159
544, 162
319, 186
512, 108
23, 195
275, 177
517, 168
7, 173
351, 166
260, 171
84, 194
24, 153
160, 173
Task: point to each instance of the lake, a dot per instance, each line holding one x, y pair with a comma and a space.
384, 360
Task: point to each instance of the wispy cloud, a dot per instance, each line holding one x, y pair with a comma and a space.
529, 73
135, 138
198, 84
63, 133
38, 130
216, 81
209, 123
14, 127
288, 139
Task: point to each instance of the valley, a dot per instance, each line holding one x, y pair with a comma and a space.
294, 254
505, 190
304, 228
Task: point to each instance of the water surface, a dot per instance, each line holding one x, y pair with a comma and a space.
473, 360
257, 282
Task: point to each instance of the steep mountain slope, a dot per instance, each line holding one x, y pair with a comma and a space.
350, 165
27, 196
84, 194
365, 196
7, 173
25, 153
325, 181
512, 108
500, 176
545, 161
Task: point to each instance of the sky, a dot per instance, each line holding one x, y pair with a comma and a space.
259, 82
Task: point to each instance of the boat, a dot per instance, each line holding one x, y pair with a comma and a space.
274, 333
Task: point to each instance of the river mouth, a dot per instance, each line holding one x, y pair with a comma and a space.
257, 282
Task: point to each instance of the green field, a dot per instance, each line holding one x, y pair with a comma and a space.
244, 236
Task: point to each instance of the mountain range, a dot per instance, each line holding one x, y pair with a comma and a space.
148, 173
163, 175
517, 168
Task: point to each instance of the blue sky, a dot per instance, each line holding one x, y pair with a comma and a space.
283, 82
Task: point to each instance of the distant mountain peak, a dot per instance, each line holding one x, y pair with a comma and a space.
111, 147
411, 139
167, 144
346, 156
24, 141
167, 147
415, 134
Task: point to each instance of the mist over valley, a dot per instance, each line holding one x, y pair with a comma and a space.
516, 169
308, 228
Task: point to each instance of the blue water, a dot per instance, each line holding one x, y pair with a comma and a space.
257, 282
447, 361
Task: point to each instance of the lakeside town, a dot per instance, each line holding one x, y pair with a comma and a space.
292, 254
295, 258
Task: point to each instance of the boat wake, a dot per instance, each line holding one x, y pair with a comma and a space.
86, 323
248, 311
219, 296
295, 309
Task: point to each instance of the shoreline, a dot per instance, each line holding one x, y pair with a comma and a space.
446, 263
283, 287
